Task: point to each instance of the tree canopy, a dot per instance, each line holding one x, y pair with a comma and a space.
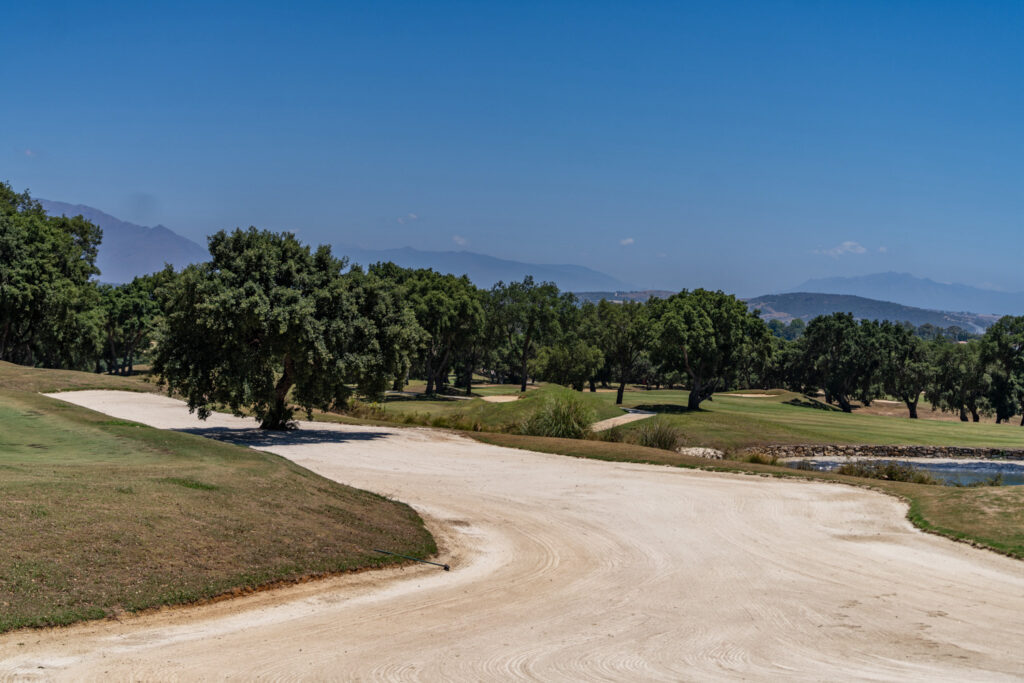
268, 321
701, 333
48, 305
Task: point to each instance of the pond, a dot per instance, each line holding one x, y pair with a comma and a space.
952, 473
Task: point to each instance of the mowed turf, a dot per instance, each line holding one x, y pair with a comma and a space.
99, 516
732, 422
483, 415
727, 422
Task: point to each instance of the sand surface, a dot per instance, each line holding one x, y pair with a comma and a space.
501, 398
631, 416
571, 569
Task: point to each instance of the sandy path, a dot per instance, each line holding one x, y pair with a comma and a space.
631, 416
570, 569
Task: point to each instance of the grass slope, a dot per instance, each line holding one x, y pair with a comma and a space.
727, 422
102, 515
478, 413
21, 378
730, 422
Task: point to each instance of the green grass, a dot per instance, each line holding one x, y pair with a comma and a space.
99, 516
989, 517
22, 378
477, 413
731, 423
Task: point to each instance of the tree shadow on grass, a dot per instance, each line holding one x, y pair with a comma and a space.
424, 398
670, 408
264, 438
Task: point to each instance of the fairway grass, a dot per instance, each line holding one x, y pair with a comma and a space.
480, 415
728, 423
100, 516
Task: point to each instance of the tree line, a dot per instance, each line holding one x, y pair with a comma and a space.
269, 323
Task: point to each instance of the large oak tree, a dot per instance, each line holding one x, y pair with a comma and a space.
702, 334
267, 322
48, 303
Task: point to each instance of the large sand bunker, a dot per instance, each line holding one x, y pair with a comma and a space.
570, 569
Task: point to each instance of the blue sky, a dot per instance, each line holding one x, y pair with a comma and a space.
742, 146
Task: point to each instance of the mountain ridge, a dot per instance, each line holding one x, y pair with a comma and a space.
918, 292
807, 305
129, 250
485, 270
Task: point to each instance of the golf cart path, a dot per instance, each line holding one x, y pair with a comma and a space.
572, 569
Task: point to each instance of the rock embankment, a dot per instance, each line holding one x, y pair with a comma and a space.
893, 452
698, 452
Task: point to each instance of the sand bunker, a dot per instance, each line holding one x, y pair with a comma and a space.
501, 399
631, 416
573, 569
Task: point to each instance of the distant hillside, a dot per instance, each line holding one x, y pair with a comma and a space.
921, 292
485, 270
642, 295
807, 305
129, 250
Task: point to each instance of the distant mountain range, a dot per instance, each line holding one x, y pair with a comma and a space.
807, 305
127, 249
920, 292
619, 296
485, 270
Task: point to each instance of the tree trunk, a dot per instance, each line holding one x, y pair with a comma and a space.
963, 414
975, 416
618, 394
693, 402
593, 386
912, 407
698, 393
280, 415
844, 403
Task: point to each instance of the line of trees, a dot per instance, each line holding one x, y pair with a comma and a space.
269, 323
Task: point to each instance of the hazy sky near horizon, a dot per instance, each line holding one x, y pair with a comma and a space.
737, 145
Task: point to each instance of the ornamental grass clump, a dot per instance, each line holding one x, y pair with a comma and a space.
565, 417
659, 434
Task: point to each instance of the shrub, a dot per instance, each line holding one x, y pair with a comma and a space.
994, 480
763, 459
363, 411
888, 470
614, 435
657, 433
566, 417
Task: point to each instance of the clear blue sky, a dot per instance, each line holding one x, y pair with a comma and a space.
743, 146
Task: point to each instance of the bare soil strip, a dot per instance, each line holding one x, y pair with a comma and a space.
572, 569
